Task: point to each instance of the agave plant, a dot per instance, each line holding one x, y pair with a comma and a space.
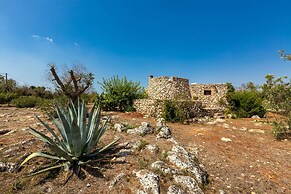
77, 139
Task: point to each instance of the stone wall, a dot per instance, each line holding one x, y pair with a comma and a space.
154, 108
208, 94
195, 99
163, 88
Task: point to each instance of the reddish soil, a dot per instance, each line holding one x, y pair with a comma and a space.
251, 162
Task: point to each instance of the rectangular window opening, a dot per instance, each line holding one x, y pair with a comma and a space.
207, 92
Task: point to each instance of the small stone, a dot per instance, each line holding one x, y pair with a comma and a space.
256, 131
255, 117
88, 185
243, 129
226, 139
7, 167
152, 148
161, 122
165, 132
221, 191
119, 127
25, 129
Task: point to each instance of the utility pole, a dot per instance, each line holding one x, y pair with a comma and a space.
6, 82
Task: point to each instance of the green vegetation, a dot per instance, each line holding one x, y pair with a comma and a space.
142, 144
26, 101
171, 111
118, 94
245, 103
76, 144
277, 94
6, 98
177, 111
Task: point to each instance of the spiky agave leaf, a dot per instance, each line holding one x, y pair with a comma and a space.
39, 154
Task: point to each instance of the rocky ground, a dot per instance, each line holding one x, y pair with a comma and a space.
205, 156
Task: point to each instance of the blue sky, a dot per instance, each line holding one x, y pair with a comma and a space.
205, 41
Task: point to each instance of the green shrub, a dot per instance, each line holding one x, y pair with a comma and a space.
172, 113
280, 130
2, 98
245, 103
48, 106
277, 94
6, 98
118, 94
26, 101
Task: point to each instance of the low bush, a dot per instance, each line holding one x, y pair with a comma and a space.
245, 103
26, 101
172, 113
6, 98
280, 131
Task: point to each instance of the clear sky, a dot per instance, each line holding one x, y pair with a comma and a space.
206, 41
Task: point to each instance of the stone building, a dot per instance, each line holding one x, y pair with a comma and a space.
208, 94
163, 88
200, 97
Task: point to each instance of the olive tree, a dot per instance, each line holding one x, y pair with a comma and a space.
72, 82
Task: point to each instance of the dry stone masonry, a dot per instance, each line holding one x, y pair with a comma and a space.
163, 88
208, 94
195, 99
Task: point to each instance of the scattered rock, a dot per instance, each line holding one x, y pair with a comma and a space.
218, 115
161, 166
189, 183
173, 189
187, 122
161, 122
123, 153
149, 180
141, 192
226, 139
165, 132
144, 129
11, 151
24, 129
218, 120
184, 160
116, 180
119, 127
7, 167
256, 117
243, 129
152, 148
256, 131
221, 192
